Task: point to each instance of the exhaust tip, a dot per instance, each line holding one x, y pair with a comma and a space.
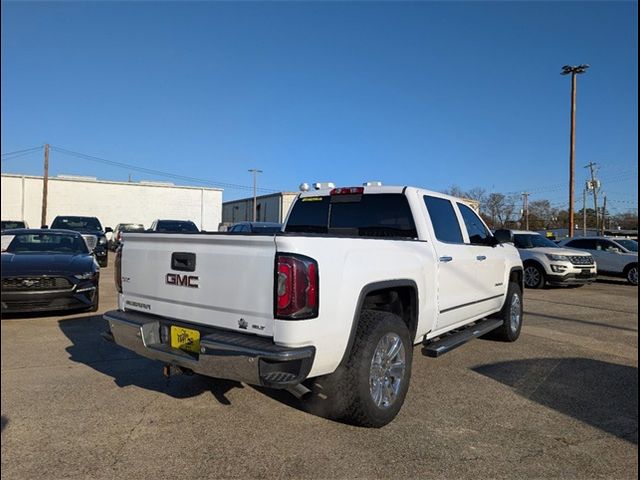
299, 391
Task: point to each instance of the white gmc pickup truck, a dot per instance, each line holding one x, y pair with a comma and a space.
331, 307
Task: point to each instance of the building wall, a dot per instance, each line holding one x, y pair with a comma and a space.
111, 202
269, 208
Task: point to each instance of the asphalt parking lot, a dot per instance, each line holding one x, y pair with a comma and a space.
562, 402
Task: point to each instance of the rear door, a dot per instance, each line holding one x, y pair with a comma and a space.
222, 281
460, 287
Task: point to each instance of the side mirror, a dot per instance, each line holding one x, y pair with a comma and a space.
108, 230
503, 236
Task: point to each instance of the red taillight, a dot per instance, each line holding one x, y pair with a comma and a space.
296, 288
347, 191
117, 271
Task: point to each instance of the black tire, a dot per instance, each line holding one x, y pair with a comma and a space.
631, 274
534, 276
510, 330
347, 394
103, 263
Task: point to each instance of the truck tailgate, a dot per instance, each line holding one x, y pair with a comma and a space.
221, 281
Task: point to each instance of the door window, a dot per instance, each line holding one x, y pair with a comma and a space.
478, 233
444, 220
583, 244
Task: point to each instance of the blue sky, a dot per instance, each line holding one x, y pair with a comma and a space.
422, 93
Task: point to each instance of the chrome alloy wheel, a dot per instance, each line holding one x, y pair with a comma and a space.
387, 371
531, 276
632, 275
515, 313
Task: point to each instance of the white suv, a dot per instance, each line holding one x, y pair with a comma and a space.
547, 263
617, 257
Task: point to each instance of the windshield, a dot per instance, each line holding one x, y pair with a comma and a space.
84, 224
132, 227
532, 240
269, 228
629, 244
176, 226
45, 243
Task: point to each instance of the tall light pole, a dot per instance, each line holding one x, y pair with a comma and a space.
255, 172
573, 70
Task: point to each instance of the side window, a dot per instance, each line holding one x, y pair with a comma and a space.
478, 233
584, 244
608, 246
444, 219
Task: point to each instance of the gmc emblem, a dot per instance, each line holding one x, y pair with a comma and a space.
182, 280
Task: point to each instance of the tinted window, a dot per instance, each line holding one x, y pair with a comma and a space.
478, 233
444, 220
309, 215
370, 215
176, 226
582, 243
47, 243
85, 224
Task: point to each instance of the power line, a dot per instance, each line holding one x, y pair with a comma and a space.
20, 155
161, 173
20, 152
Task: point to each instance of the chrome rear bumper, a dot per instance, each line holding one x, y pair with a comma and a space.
223, 354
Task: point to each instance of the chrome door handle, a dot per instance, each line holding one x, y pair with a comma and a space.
481, 258
446, 259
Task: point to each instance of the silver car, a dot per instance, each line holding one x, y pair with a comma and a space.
618, 257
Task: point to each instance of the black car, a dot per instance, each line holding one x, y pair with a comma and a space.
88, 227
116, 239
46, 270
174, 226
266, 228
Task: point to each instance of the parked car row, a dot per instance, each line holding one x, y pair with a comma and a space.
575, 261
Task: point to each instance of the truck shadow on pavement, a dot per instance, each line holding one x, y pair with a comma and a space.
127, 368
601, 394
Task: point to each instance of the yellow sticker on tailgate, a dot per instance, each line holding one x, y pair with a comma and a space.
185, 339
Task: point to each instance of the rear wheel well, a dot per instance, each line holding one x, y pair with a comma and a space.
401, 301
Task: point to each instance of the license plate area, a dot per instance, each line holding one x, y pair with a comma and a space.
185, 339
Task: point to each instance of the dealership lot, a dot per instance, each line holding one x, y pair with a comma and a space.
560, 402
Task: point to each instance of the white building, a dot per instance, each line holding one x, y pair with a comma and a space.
269, 208
111, 202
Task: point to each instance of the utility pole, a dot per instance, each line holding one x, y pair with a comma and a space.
604, 213
525, 209
573, 70
45, 185
584, 212
255, 172
594, 187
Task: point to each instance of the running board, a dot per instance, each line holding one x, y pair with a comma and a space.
448, 341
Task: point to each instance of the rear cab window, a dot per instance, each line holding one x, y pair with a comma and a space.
372, 215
